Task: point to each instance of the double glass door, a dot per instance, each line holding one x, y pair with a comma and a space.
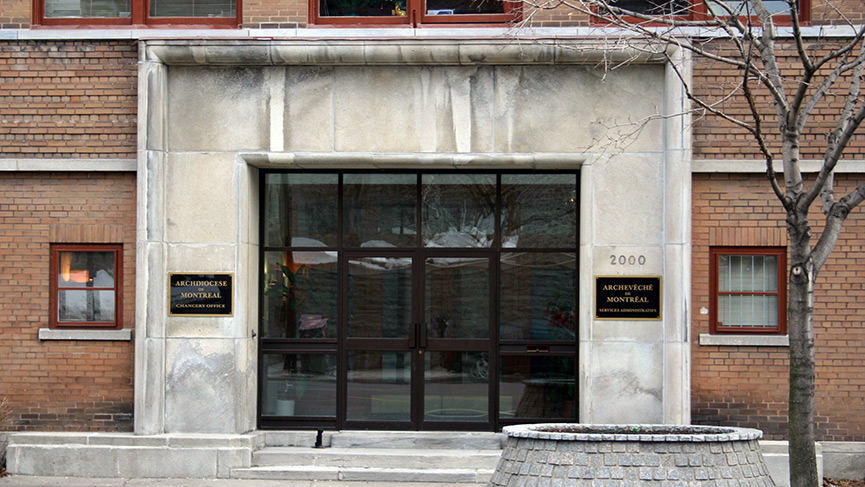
418, 339
417, 300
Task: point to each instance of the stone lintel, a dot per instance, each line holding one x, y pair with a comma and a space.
401, 52
425, 160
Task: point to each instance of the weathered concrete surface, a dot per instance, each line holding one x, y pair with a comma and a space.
217, 111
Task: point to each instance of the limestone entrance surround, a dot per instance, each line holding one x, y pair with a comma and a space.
213, 113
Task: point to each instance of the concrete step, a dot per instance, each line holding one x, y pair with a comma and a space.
411, 440
440, 460
454, 440
380, 476
377, 458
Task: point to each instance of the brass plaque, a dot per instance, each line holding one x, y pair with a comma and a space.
628, 297
200, 294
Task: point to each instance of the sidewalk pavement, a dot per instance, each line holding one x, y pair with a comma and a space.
28, 481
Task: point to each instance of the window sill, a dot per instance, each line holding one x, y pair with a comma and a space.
123, 335
745, 340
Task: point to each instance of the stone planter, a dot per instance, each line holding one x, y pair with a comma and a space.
570, 454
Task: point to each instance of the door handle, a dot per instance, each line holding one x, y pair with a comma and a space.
422, 335
412, 335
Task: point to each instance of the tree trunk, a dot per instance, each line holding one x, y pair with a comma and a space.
800, 327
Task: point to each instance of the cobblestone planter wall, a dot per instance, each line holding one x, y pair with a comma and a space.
565, 455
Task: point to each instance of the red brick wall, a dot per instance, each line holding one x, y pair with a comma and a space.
68, 99
827, 12
747, 386
61, 385
275, 13
715, 138
15, 14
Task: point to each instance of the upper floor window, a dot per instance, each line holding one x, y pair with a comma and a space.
702, 9
85, 286
748, 290
412, 12
136, 12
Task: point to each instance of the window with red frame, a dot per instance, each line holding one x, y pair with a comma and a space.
748, 289
413, 12
85, 286
696, 9
136, 12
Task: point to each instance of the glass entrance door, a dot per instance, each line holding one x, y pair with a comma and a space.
378, 348
454, 340
417, 300
418, 343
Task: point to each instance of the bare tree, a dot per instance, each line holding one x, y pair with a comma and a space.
826, 73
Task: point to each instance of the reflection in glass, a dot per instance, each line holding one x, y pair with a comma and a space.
538, 296
192, 8
456, 386
539, 210
86, 269
740, 7
58, 9
300, 295
299, 385
362, 8
379, 386
457, 297
379, 297
458, 210
656, 7
300, 210
537, 387
461, 7
85, 305
85, 283
380, 210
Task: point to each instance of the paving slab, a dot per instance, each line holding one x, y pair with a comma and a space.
32, 481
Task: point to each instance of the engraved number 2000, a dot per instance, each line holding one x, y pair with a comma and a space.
627, 259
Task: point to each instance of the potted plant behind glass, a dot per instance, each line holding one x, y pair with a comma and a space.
294, 296
294, 292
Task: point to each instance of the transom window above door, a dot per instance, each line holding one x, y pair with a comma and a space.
430, 210
413, 12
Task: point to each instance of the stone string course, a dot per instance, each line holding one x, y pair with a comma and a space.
619, 460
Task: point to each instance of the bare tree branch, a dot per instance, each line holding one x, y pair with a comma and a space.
828, 194
834, 220
848, 123
832, 77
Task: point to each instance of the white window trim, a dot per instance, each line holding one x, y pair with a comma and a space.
745, 340
122, 335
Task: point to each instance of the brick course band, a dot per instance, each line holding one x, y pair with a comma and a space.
572, 455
